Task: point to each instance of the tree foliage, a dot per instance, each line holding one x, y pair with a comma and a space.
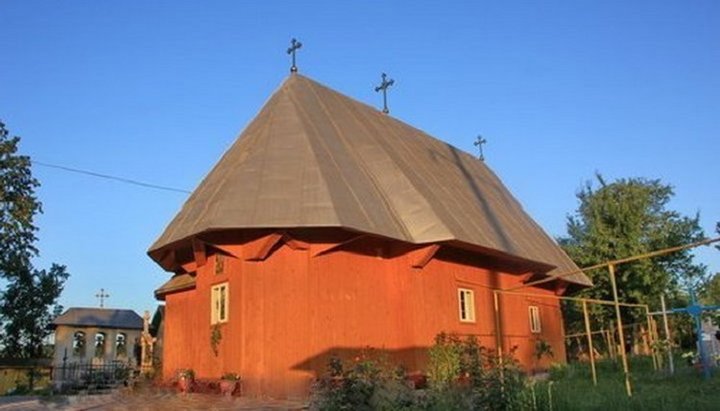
710, 295
29, 300
711, 291
625, 218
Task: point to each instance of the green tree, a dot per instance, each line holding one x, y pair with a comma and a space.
711, 290
29, 300
626, 218
710, 295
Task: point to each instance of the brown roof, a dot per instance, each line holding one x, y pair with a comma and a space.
316, 158
177, 283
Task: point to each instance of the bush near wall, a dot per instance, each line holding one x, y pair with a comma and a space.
461, 375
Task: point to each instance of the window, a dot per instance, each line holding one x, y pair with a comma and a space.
79, 344
534, 319
219, 300
121, 345
100, 345
466, 305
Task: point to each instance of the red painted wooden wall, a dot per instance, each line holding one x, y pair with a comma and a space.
290, 312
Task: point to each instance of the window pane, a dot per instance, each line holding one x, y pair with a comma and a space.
466, 305
79, 344
221, 317
534, 319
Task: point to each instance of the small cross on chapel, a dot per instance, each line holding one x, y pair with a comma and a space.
479, 144
384, 85
102, 295
294, 45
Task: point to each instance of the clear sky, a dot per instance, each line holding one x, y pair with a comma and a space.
157, 91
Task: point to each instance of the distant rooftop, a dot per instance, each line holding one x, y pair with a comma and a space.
100, 317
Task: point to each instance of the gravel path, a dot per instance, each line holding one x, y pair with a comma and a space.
134, 401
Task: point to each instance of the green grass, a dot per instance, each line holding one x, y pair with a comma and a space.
652, 390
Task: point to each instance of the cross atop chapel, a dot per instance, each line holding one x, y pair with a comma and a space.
384, 86
479, 144
294, 45
102, 295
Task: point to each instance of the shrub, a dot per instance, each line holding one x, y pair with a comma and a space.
558, 371
462, 375
366, 383
445, 361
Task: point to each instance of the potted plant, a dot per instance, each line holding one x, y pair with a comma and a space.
186, 376
229, 383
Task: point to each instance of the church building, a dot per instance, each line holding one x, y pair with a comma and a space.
329, 227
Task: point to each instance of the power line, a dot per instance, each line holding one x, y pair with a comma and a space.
109, 177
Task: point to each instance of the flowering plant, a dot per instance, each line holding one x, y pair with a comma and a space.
231, 376
186, 373
690, 357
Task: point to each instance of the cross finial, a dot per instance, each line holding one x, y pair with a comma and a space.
384, 86
479, 144
102, 295
294, 45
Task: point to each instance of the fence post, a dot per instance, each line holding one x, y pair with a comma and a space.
651, 340
668, 340
621, 335
591, 350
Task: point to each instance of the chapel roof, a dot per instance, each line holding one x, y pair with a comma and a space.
100, 317
314, 157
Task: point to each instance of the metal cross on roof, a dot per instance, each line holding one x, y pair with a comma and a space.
294, 45
696, 310
479, 144
102, 295
384, 86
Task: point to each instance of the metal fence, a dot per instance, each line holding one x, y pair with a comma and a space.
89, 376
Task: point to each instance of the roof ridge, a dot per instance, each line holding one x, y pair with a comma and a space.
366, 113
361, 162
298, 114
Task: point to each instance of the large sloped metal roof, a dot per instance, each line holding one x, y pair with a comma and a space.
316, 158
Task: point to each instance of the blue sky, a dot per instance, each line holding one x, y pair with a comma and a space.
157, 91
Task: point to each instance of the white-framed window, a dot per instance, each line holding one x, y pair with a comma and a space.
121, 345
220, 303
78, 344
534, 314
100, 339
466, 305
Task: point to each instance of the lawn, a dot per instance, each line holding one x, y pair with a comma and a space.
652, 390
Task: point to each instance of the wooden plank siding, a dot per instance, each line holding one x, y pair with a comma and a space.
295, 309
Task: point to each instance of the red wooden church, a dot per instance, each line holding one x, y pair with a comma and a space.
328, 227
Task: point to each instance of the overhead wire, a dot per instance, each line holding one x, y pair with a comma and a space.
110, 177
